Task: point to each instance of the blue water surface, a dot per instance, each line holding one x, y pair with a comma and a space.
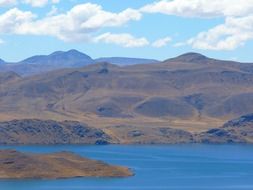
172, 167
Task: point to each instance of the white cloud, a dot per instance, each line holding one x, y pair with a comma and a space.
12, 20
125, 40
53, 11
40, 3
4, 3
234, 33
161, 42
77, 24
201, 8
83, 20
34, 3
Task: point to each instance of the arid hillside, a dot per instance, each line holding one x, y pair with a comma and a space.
190, 92
18, 165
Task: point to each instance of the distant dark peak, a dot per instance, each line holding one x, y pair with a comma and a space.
2, 61
57, 53
191, 55
60, 59
74, 51
191, 58
71, 52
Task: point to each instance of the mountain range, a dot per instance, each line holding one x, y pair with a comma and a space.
60, 59
161, 102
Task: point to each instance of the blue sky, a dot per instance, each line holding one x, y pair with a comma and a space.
132, 28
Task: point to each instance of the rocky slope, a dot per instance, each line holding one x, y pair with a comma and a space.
50, 132
126, 134
17, 165
69, 132
47, 132
239, 130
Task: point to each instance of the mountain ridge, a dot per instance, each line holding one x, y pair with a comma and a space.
135, 103
191, 57
75, 57
64, 59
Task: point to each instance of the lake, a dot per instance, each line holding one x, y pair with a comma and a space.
179, 167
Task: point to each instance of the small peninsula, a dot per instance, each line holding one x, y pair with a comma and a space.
18, 165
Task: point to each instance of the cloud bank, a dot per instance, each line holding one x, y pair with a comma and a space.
34, 3
77, 24
83, 22
235, 32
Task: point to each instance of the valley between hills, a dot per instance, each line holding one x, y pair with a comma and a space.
187, 99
